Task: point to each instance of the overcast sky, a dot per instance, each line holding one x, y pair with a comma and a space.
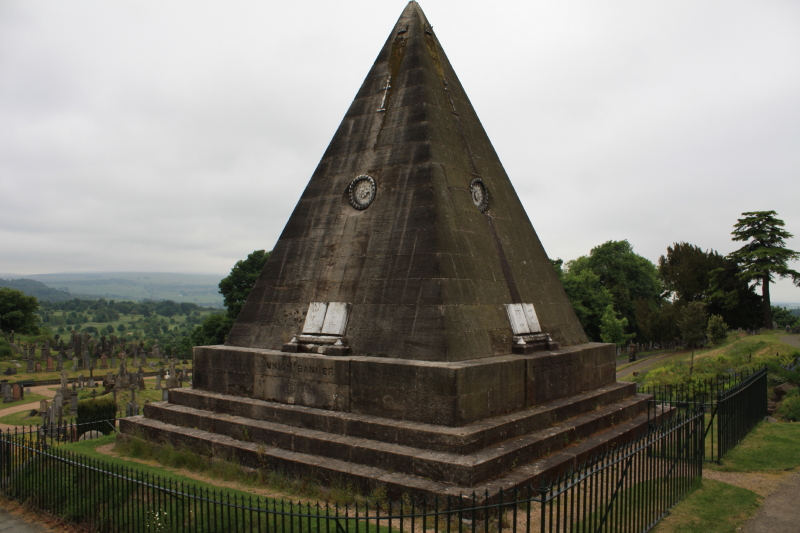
178, 136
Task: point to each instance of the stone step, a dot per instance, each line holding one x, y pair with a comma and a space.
463, 469
459, 440
367, 478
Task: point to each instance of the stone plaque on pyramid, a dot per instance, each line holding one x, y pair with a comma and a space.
408, 309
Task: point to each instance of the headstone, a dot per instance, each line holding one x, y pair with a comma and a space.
103, 361
8, 395
10, 371
114, 361
18, 392
60, 362
37, 367
158, 379
75, 364
90, 383
73, 403
64, 379
80, 381
50, 367
58, 403
31, 367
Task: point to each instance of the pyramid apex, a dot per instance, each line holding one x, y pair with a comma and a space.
409, 233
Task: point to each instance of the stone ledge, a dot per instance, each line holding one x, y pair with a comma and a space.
459, 440
469, 469
367, 478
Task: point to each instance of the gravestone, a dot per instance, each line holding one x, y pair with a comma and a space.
31, 368
103, 361
10, 371
60, 362
37, 367
80, 381
407, 309
50, 367
8, 395
17, 392
158, 379
73, 403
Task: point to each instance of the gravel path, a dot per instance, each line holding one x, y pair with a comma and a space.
43, 390
792, 340
780, 512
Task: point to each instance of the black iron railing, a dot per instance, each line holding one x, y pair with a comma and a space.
734, 404
626, 489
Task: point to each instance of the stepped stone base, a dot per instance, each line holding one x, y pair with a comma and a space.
404, 456
417, 427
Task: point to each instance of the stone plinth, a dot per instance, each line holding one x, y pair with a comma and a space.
449, 394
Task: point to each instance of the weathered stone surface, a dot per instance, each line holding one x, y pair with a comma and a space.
443, 393
427, 273
368, 462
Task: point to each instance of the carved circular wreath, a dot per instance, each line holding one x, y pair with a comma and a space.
480, 194
361, 192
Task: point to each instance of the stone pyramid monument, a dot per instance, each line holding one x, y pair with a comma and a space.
408, 319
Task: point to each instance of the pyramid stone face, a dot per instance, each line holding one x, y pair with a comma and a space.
395, 224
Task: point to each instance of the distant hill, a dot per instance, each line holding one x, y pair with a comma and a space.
31, 287
200, 289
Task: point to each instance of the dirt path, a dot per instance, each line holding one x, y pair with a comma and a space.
43, 390
779, 513
644, 364
792, 340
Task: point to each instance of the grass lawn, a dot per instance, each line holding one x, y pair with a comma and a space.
713, 507
29, 398
768, 447
22, 419
717, 507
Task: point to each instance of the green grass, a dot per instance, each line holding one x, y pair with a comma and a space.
22, 419
717, 507
768, 447
30, 397
713, 507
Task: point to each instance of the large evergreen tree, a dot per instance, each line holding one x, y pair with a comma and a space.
765, 255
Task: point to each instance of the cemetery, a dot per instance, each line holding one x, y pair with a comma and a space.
408, 342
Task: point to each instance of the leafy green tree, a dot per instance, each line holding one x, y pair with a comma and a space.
237, 285
626, 275
784, 317
588, 297
212, 331
686, 269
612, 329
658, 321
717, 329
692, 323
765, 255
18, 312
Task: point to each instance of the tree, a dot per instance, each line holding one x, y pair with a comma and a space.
18, 312
213, 330
686, 271
626, 275
657, 320
765, 255
236, 287
717, 329
784, 317
588, 297
612, 329
692, 323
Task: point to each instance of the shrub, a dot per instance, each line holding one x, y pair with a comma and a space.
790, 406
94, 412
717, 329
